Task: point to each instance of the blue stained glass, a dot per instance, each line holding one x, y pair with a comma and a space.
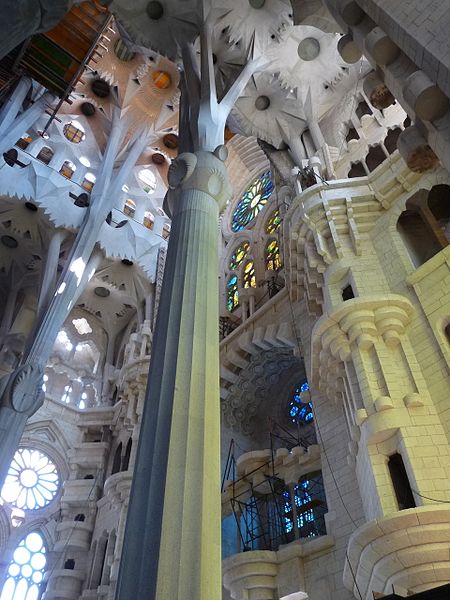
288, 525
252, 202
299, 411
232, 293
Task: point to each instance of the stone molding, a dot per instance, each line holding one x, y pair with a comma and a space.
254, 575
408, 549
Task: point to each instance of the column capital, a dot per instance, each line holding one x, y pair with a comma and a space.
203, 172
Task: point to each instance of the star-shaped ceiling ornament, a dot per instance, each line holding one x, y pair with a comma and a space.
267, 19
268, 111
160, 25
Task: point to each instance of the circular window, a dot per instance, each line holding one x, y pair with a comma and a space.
148, 180
252, 202
300, 412
122, 52
32, 480
161, 79
74, 132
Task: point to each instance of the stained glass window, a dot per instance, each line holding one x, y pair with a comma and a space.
26, 569
299, 412
249, 275
273, 256
32, 480
74, 132
238, 255
273, 222
252, 201
302, 497
232, 293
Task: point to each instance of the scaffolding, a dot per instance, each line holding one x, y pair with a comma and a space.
270, 513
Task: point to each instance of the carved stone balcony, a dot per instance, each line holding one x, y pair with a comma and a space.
409, 550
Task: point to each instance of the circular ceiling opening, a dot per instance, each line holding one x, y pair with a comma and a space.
155, 10
102, 292
256, 3
262, 103
170, 141
158, 158
9, 241
309, 49
161, 79
31, 206
122, 52
88, 109
101, 88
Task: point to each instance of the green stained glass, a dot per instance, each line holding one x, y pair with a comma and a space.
238, 255
273, 256
232, 293
273, 222
252, 201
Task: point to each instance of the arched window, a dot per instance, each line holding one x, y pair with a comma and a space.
24, 141
418, 237
391, 139
117, 459
375, 157
357, 170
249, 275
66, 396
74, 132
252, 202
68, 169
32, 480
439, 205
149, 220
26, 569
126, 456
273, 256
308, 495
238, 255
273, 222
148, 180
130, 207
45, 155
232, 293
300, 412
166, 231
88, 181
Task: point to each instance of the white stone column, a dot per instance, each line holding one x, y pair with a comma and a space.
13, 105
172, 546
48, 282
20, 125
22, 392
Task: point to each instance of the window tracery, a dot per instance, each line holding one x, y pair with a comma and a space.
26, 569
74, 132
298, 411
252, 202
274, 221
238, 255
249, 275
32, 480
273, 256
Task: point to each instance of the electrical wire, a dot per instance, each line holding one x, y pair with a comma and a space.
319, 433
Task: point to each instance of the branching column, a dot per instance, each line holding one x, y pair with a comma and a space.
172, 540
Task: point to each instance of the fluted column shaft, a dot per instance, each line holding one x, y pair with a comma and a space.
172, 538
